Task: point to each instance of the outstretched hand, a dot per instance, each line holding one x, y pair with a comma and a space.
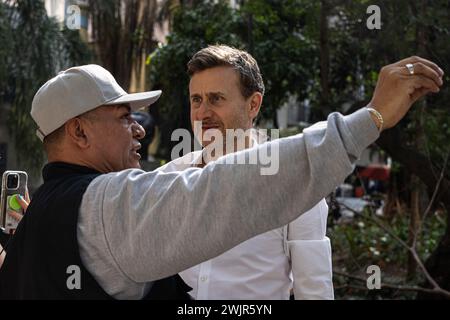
397, 88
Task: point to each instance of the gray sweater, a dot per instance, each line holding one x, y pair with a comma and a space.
135, 227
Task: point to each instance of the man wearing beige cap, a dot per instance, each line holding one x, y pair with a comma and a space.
95, 230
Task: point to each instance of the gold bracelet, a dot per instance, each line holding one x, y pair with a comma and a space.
378, 116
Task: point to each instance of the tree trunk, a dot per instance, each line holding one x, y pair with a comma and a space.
414, 222
416, 190
123, 32
324, 59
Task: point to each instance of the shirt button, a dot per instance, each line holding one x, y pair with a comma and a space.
204, 278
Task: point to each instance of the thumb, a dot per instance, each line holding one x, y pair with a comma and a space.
23, 203
27, 195
419, 93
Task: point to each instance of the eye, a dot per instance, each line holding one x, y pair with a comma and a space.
196, 99
127, 116
215, 99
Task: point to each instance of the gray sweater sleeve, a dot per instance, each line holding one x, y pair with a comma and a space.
135, 227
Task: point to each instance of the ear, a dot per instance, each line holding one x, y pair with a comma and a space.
76, 132
255, 102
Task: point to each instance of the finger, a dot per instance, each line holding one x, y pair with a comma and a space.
15, 215
419, 81
2, 255
419, 93
415, 59
421, 87
424, 70
23, 203
27, 195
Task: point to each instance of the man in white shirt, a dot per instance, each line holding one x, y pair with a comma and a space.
226, 92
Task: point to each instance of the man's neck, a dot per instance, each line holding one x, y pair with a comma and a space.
240, 143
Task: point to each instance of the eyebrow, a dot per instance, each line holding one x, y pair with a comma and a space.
195, 95
208, 94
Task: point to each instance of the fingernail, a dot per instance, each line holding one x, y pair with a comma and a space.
20, 197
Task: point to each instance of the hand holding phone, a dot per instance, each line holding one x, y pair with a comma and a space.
13, 192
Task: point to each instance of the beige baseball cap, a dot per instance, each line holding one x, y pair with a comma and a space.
78, 90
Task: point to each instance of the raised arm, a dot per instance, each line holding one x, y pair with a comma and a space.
156, 224
146, 226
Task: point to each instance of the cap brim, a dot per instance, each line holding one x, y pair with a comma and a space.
137, 101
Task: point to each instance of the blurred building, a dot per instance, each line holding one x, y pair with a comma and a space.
72, 13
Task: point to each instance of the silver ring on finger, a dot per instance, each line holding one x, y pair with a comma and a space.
410, 68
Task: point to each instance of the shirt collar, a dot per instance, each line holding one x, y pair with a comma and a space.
55, 170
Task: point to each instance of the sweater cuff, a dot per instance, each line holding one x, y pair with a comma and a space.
363, 130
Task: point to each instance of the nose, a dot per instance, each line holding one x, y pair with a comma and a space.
204, 111
138, 131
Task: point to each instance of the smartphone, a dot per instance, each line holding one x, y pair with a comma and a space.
14, 183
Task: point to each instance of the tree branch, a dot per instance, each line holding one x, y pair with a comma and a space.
383, 284
436, 287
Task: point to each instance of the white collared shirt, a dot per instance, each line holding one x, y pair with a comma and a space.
270, 265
